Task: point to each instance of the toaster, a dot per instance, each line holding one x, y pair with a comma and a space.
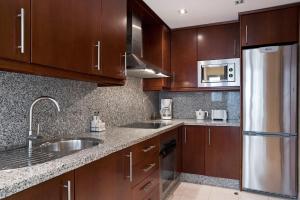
219, 115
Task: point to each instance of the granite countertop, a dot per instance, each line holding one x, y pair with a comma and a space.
115, 139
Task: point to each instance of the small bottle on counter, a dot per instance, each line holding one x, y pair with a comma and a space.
96, 124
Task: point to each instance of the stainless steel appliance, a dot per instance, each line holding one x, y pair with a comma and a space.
169, 176
219, 115
218, 73
270, 120
166, 109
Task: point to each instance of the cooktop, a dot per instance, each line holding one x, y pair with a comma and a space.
147, 125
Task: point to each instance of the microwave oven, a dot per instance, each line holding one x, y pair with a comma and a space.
219, 73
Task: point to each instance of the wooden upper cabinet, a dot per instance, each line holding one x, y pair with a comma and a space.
157, 51
223, 152
65, 34
54, 189
193, 150
219, 41
269, 27
184, 58
15, 30
113, 38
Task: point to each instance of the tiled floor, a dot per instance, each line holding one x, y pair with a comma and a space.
189, 191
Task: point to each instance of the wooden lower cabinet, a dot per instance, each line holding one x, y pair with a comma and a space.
104, 179
54, 189
193, 149
212, 151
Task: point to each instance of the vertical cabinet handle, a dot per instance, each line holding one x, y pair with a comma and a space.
22, 35
69, 189
130, 166
125, 64
234, 47
209, 136
98, 45
246, 34
185, 135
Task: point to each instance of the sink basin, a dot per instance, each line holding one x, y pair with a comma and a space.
47, 151
65, 146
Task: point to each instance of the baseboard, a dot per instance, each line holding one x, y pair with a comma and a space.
213, 181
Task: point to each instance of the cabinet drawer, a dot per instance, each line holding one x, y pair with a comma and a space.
145, 168
154, 195
144, 189
145, 149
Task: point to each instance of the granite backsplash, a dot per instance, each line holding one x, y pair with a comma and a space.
78, 101
186, 103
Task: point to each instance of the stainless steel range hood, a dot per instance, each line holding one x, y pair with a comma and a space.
136, 65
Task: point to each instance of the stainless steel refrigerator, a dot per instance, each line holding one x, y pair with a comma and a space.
270, 120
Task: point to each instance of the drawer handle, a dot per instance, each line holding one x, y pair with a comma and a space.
149, 167
148, 149
147, 187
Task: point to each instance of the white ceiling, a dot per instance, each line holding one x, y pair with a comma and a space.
206, 11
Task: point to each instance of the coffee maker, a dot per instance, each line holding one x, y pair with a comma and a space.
166, 109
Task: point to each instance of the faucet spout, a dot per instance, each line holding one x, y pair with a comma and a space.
32, 106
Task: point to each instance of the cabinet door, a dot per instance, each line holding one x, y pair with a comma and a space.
105, 179
184, 58
64, 34
223, 152
193, 149
271, 27
113, 38
219, 42
59, 188
15, 30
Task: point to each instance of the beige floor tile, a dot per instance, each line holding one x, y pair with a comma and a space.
252, 196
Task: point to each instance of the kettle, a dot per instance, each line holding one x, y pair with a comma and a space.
200, 114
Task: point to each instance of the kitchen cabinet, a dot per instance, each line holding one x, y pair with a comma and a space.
269, 27
184, 58
105, 179
59, 188
223, 152
219, 41
82, 36
113, 38
193, 150
212, 151
65, 34
15, 30
157, 51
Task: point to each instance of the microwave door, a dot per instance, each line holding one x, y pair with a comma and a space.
214, 73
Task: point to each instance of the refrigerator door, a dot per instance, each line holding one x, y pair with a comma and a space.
269, 164
270, 89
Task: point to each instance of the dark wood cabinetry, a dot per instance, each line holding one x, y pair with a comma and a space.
65, 34
157, 46
219, 41
59, 188
212, 151
184, 58
105, 179
223, 152
269, 27
15, 30
193, 150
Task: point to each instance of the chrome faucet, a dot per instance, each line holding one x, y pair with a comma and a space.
32, 106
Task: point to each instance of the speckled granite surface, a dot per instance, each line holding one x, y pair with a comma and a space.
186, 103
207, 180
115, 139
78, 101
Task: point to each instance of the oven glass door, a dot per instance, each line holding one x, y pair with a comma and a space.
214, 73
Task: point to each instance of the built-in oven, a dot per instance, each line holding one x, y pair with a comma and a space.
219, 73
168, 165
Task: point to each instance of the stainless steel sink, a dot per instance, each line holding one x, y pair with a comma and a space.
47, 151
69, 145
